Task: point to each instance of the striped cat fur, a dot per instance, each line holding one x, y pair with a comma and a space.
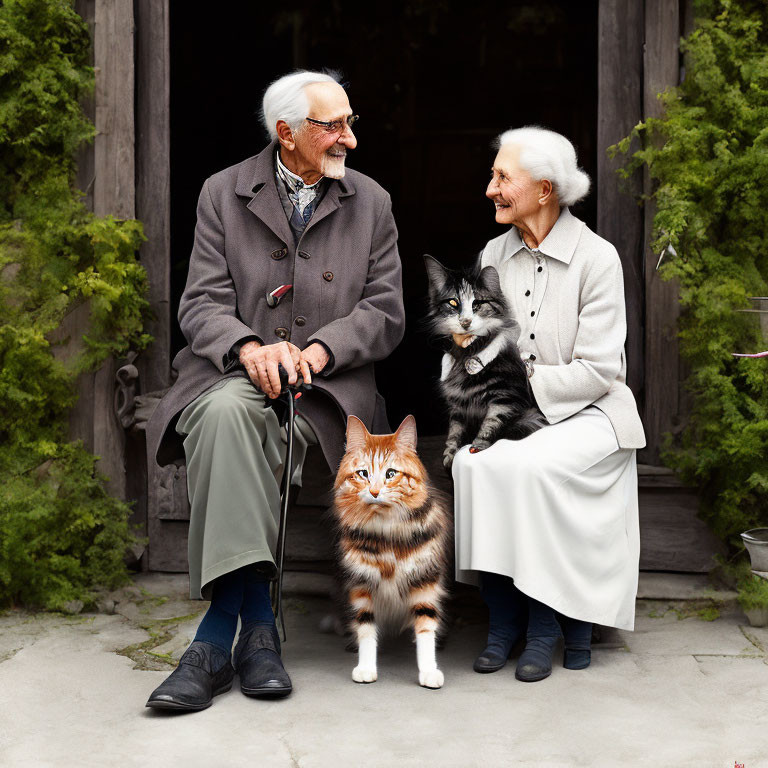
484, 381
393, 532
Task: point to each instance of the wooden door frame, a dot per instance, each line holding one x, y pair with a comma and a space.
637, 58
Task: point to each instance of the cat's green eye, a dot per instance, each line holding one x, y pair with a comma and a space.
363, 473
391, 473
453, 303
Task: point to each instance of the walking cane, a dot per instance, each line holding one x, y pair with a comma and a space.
291, 394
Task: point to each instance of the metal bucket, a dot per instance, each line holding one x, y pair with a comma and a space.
756, 542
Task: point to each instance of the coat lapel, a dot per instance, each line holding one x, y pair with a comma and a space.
256, 180
332, 200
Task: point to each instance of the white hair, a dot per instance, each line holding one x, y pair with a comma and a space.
549, 155
285, 99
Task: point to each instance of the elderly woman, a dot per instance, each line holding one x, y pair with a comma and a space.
548, 525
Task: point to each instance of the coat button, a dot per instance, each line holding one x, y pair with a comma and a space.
532, 314
300, 321
281, 333
527, 293
328, 276
531, 357
533, 335
539, 269
303, 254
280, 253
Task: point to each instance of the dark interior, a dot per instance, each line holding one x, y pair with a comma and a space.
433, 82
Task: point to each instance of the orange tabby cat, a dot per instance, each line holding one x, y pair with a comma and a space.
393, 534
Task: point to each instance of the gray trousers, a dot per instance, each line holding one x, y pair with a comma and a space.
235, 452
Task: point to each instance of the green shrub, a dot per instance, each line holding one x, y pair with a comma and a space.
60, 532
753, 593
708, 159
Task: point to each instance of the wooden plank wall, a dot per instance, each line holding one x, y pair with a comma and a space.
620, 104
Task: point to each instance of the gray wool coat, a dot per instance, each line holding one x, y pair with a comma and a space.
347, 294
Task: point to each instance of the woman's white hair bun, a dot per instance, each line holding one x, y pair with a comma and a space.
549, 155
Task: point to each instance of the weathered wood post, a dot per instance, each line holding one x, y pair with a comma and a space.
661, 402
106, 174
619, 109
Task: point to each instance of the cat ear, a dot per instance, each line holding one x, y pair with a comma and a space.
436, 273
356, 433
406, 433
489, 279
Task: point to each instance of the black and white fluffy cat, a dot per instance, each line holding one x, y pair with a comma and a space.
484, 381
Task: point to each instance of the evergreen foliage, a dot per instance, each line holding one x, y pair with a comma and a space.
708, 157
60, 531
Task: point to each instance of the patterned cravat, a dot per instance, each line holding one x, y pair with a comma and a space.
300, 194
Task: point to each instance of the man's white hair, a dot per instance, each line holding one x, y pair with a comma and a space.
285, 99
549, 155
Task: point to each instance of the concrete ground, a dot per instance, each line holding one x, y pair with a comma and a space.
688, 688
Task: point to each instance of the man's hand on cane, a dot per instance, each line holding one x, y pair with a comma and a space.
313, 359
261, 364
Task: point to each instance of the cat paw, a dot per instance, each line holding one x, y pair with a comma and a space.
479, 445
448, 455
364, 675
431, 678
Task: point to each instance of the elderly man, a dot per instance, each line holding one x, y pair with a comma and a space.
294, 263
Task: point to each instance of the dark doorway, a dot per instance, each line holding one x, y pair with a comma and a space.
434, 83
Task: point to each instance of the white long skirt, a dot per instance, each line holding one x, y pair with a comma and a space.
558, 513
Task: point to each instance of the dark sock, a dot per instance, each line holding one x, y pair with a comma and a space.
220, 621
507, 613
578, 642
256, 607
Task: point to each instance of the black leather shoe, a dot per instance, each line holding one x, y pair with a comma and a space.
258, 662
204, 671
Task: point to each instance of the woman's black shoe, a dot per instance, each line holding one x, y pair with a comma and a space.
507, 621
495, 655
535, 662
576, 658
204, 671
578, 641
258, 662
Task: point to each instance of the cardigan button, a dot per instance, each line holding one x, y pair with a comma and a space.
532, 314
303, 254
281, 333
527, 293
531, 357
539, 269
327, 276
533, 335
280, 253
300, 321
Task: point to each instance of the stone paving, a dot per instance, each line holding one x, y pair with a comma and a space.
688, 688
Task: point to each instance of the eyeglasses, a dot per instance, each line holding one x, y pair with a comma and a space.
335, 126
